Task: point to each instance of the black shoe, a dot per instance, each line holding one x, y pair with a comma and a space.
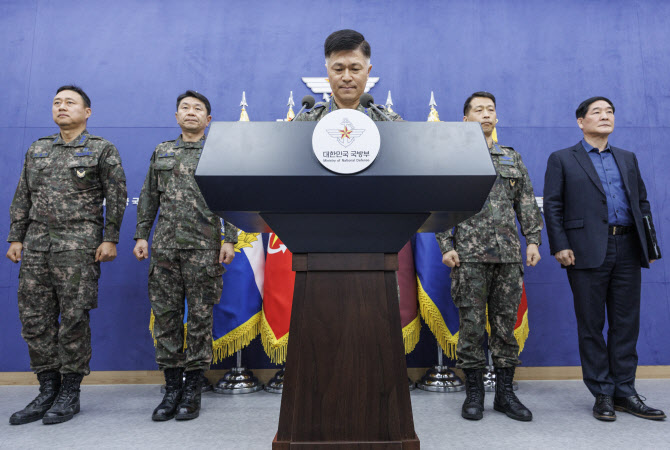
189, 407
506, 400
49, 386
473, 406
635, 406
173, 389
603, 409
66, 404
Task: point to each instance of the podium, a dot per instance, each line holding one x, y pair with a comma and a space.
345, 382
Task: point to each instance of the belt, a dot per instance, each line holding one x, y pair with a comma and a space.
616, 230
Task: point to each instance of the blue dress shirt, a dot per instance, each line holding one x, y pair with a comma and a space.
618, 206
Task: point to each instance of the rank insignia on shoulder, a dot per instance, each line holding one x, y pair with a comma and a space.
83, 138
81, 173
166, 154
506, 160
40, 155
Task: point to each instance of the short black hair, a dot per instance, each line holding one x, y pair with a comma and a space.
583, 107
467, 107
78, 90
346, 40
197, 95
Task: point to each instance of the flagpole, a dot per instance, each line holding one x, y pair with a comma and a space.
276, 384
490, 374
440, 378
238, 380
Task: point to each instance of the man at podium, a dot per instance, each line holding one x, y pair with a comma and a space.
348, 65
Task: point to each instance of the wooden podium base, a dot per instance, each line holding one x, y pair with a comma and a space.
345, 381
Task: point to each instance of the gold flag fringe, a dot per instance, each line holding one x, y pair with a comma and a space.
433, 318
411, 334
237, 339
226, 345
152, 319
274, 348
521, 333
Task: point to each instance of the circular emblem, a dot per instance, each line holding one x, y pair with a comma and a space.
346, 141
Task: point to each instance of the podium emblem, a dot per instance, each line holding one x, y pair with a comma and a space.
347, 134
346, 141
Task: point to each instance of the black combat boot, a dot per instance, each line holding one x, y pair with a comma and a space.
505, 400
173, 389
189, 408
66, 404
473, 406
49, 386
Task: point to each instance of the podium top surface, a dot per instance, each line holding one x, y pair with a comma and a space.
428, 176
285, 149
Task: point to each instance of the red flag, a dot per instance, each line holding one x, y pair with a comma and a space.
277, 299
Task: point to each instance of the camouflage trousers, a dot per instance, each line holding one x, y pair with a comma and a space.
53, 284
176, 274
473, 287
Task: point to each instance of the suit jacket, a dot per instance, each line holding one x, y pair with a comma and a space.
575, 206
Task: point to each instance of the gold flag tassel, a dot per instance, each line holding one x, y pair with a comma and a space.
274, 348
152, 322
411, 334
433, 318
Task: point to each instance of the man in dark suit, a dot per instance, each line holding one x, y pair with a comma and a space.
594, 202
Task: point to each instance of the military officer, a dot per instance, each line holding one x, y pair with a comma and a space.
57, 223
186, 258
348, 66
485, 256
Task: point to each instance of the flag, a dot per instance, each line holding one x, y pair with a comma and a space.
434, 292
237, 316
277, 299
409, 311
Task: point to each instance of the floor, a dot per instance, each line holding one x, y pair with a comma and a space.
119, 416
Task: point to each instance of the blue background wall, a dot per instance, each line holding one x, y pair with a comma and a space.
540, 59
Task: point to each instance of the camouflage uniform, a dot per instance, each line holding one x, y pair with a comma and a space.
491, 265
57, 214
322, 108
184, 256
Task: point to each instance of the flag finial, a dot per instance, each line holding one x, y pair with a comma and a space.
244, 117
290, 114
389, 103
433, 116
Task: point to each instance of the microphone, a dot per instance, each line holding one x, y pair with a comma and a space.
368, 102
307, 102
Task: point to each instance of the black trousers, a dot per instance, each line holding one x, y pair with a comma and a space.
612, 289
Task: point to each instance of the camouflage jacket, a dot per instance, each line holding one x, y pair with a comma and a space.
323, 108
491, 236
185, 221
59, 199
